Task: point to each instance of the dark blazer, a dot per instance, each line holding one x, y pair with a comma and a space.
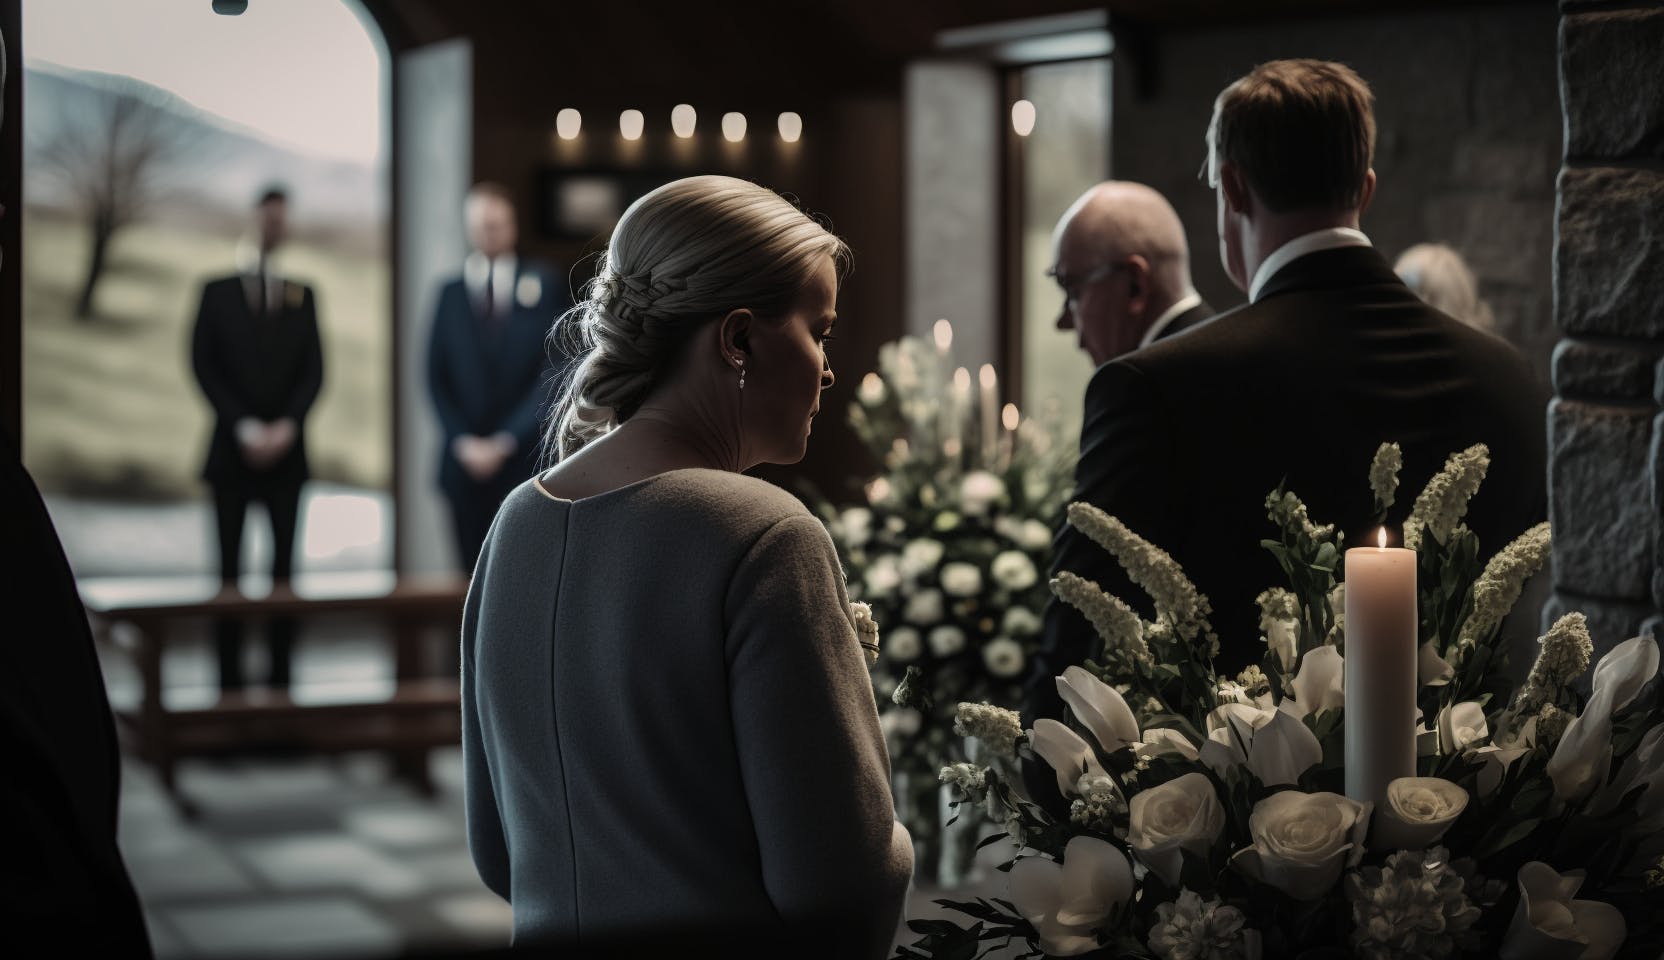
265, 367
62, 880
484, 379
1183, 440
1194, 317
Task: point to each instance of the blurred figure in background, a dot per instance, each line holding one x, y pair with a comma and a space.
489, 368
259, 360
1443, 280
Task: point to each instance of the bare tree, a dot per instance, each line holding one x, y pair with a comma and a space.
109, 156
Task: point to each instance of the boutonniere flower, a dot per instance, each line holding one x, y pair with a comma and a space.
866, 630
528, 291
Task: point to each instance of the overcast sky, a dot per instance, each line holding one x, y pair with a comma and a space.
306, 73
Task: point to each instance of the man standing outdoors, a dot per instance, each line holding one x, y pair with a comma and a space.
258, 358
489, 368
1331, 356
1120, 257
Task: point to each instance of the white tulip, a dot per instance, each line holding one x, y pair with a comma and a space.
1320, 684
1416, 813
1158, 741
1584, 753
1181, 814
1065, 902
1065, 752
1099, 708
1302, 841
1275, 745
1549, 924
1460, 725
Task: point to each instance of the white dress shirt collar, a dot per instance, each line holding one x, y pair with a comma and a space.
502, 272
1188, 302
1326, 239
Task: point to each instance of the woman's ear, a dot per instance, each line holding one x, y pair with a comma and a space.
734, 337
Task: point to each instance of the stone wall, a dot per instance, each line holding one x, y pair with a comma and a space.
1469, 138
1606, 423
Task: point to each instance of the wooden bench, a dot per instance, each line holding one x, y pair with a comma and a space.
421, 711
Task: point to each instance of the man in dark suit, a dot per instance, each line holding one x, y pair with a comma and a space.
1331, 356
1120, 257
259, 360
489, 368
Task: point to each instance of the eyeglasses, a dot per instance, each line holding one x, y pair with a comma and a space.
1072, 286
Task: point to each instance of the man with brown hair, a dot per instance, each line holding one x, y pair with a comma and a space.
1331, 356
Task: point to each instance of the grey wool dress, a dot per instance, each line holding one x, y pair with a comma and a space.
668, 724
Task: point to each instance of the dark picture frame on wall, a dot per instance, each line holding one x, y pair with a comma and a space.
583, 204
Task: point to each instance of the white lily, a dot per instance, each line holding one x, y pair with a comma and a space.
1550, 925
1585, 749
1460, 725
1161, 740
1067, 901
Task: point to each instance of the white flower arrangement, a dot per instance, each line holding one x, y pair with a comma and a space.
1203, 816
949, 542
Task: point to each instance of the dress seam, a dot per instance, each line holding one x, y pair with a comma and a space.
554, 722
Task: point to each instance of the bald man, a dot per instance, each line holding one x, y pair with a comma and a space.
1119, 256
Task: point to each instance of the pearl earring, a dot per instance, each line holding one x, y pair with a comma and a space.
742, 374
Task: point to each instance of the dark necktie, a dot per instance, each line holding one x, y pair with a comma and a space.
491, 295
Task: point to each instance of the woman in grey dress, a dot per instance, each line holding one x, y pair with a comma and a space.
668, 728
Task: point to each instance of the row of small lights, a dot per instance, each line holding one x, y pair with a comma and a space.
683, 120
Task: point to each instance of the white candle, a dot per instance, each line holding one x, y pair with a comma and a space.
1381, 628
942, 333
989, 415
1009, 418
958, 408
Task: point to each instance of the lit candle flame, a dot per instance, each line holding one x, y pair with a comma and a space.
1381, 538
943, 332
962, 380
987, 377
1009, 416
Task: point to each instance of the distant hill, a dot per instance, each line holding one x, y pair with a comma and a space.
213, 185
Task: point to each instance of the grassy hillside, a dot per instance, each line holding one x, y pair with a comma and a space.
110, 407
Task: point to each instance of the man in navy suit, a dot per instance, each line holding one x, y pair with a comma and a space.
489, 368
258, 358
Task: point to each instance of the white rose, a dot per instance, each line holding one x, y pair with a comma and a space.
1034, 535
1020, 622
920, 557
1549, 924
1013, 570
883, 576
946, 640
901, 722
961, 579
1283, 639
1181, 814
856, 524
1003, 657
1416, 813
1584, 753
1066, 902
923, 608
1302, 841
978, 491
1461, 725
871, 391
903, 645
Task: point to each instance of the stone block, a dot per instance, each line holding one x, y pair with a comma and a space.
1609, 253
1606, 370
1601, 500
1612, 85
